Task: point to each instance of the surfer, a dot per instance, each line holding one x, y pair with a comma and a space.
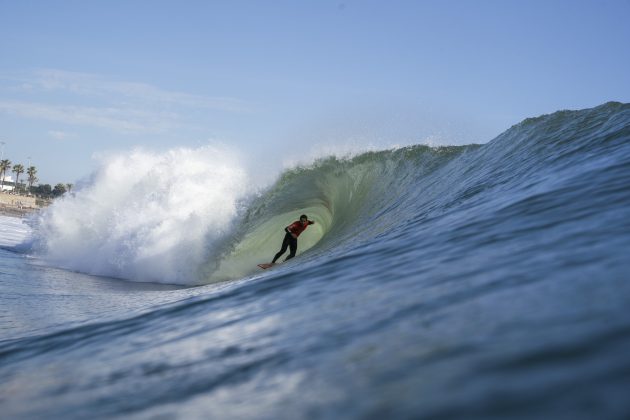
290, 238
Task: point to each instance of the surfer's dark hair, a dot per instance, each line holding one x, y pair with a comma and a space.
303, 217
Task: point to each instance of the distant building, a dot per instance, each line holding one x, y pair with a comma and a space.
6, 187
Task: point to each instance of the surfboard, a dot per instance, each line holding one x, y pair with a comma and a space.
265, 266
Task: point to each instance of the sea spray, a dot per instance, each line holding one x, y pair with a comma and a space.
146, 216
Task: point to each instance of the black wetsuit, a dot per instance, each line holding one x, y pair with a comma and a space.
288, 242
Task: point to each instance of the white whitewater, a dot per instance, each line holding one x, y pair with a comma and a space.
151, 217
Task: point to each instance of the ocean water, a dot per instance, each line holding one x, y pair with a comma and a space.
479, 281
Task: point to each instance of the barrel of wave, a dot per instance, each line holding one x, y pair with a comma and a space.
264, 239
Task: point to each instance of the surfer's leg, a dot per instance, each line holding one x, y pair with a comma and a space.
285, 245
292, 248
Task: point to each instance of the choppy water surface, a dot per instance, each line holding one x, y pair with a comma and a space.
454, 282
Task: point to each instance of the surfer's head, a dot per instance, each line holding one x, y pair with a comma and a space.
303, 219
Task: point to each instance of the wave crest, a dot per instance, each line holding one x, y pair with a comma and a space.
147, 216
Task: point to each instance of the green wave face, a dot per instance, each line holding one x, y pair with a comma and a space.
356, 200
348, 199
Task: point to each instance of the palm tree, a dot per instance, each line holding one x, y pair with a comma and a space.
59, 190
18, 169
69, 187
31, 171
4, 165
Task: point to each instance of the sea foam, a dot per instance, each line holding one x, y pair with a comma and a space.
146, 216
13, 231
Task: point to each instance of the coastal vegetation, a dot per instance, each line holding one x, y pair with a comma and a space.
4, 165
42, 191
18, 169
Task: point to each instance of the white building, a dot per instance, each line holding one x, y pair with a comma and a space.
6, 187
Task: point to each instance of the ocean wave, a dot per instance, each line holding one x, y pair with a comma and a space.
194, 216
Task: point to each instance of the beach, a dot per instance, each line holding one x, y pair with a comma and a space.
15, 205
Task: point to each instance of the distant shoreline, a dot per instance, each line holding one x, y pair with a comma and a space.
16, 212
18, 205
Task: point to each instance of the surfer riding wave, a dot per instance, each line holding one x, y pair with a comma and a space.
290, 238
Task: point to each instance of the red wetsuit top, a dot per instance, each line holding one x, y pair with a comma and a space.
297, 227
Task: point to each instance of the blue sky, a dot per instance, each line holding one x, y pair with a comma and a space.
280, 78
